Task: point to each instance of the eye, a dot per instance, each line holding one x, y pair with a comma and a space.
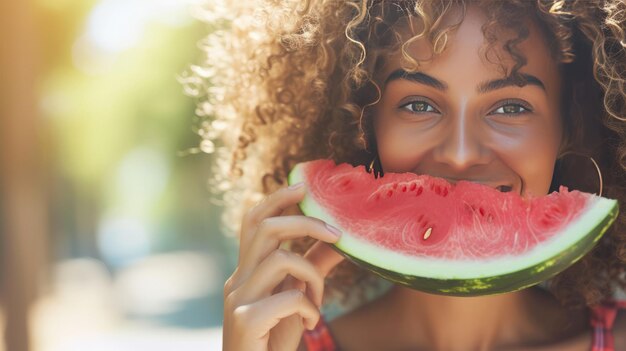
418, 106
512, 108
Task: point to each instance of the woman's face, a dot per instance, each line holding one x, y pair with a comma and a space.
458, 119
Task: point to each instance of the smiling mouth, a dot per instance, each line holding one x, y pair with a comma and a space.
500, 188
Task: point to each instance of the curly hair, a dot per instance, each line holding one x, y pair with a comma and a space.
290, 81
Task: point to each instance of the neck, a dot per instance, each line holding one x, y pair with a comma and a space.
473, 323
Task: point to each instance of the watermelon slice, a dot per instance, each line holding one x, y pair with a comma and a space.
462, 239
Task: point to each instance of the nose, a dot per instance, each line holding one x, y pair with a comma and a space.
462, 145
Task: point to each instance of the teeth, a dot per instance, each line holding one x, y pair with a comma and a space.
504, 188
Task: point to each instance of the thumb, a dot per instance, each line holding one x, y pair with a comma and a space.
324, 257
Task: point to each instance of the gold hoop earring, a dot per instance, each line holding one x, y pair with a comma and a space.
376, 167
600, 181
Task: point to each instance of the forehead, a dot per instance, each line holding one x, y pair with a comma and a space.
467, 54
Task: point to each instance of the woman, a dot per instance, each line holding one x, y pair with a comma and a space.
496, 92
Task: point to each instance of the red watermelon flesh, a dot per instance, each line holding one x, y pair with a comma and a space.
468, 220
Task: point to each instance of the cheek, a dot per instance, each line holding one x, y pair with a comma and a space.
531, 154
401, 146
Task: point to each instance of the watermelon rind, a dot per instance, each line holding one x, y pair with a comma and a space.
473, 277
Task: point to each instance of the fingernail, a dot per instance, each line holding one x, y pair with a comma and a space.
295, 186
333, 230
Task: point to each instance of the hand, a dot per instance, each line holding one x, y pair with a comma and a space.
273, 293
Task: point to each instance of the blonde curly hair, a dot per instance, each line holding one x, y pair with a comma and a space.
290, 81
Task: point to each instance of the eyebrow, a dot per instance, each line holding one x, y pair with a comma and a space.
483, 87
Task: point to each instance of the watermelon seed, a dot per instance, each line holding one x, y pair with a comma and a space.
395, 186
389, 193
404, 188
412, 187
428, 232
482, 212
419, 191
445, 192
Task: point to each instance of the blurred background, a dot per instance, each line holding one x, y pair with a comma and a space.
109, 236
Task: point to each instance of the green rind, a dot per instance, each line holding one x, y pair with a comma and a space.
475, 282
501, 283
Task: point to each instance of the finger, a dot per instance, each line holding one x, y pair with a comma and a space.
323, 257
261, 316
274, 269
273, 205
272, 231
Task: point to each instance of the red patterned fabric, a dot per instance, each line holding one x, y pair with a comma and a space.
602, 318
319, 339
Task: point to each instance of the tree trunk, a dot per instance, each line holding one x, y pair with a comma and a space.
23, 218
